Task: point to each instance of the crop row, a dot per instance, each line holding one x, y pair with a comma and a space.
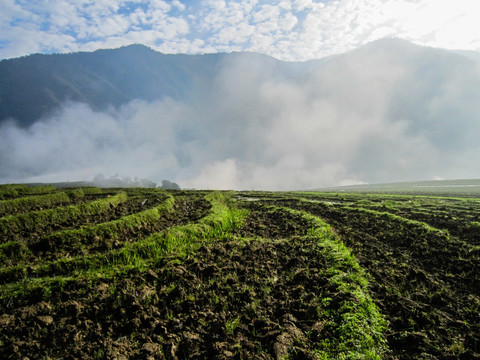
25, 204
424, 277
21, 281
355, 323
348, 313
18, 190
85, 236
108, 233
38, 220
211, 274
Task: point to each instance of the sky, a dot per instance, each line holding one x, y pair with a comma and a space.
295, 30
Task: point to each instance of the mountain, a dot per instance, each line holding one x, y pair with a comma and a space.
34, 86
387, 111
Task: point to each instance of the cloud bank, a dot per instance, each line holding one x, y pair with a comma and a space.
378, 114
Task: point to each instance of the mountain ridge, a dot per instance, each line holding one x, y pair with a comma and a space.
105, 77
33, 86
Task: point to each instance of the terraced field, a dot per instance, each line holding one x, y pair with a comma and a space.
150, 274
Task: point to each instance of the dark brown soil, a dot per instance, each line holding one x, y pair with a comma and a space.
257, 294
231, 300
271, 223
425, 285
186, 210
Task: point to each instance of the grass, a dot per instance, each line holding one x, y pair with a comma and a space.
16, 190
76, 238
37, 220
24, 204
217, 224
401, 220
231, 324
357, 325
46, 279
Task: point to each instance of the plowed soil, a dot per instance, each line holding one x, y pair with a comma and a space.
258, 293
426, 286
255, 299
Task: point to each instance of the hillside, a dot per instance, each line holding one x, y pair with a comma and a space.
34, 86
37, 84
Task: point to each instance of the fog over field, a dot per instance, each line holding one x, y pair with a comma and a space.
389, 111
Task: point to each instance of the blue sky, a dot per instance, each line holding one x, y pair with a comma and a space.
288, 30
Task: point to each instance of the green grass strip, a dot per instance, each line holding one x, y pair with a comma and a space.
218, 223
400, 219
11, 252
357, 324
110, 230
177, 241
37, 220
384, 215
25, 204
75, 194
10, 191
77, 238
91, 190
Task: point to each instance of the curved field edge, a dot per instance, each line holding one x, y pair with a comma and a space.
16, 190
177, 241
24, 204
36, 220
424, 279
357, 323
419, 225
78, 238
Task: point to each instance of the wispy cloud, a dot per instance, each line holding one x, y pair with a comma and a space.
289, 30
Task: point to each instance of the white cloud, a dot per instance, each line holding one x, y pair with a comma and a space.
178, 5
217, 175
290, 30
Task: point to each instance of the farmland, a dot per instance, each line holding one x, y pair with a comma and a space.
155, 274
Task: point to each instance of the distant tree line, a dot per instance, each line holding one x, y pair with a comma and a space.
115, 181
168, 185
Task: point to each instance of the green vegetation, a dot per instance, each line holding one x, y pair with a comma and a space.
14, 190
357, 325
37, 220
108, 232
142, 272
24, 204
218, 224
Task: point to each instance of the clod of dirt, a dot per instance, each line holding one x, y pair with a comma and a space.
287, 338
45, 320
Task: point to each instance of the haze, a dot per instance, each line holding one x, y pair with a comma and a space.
390, 111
